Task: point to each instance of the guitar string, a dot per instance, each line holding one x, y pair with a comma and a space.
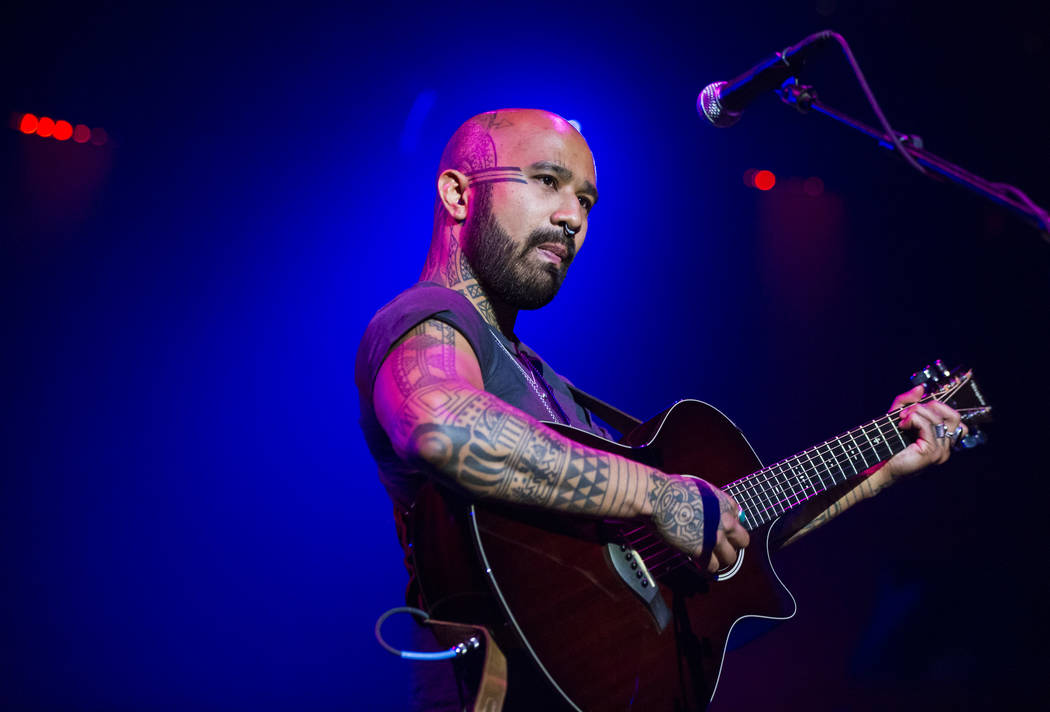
777, 478
785, 477
860, 449
744, 497
750, 489
669, 555
674, 559
669, 559
743, 483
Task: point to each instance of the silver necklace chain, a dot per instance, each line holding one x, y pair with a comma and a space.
531, 380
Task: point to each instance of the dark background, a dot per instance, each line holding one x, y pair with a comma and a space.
189, 516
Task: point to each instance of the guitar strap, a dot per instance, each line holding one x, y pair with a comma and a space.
609, 413
492, 687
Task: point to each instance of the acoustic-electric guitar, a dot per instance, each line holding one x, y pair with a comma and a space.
606, 613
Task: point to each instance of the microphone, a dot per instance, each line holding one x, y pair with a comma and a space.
722, 102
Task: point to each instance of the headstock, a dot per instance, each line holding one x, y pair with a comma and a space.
958, 390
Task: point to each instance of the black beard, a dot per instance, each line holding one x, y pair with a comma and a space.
506, 273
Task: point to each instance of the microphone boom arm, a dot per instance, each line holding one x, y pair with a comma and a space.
804, 99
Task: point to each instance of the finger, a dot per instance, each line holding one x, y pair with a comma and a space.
735, 534
727, 502
722, 555
953, 426
930, 446
946, 413
730, 524
918, 420
912, 396
942, 412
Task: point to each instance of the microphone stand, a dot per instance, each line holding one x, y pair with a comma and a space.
804, 99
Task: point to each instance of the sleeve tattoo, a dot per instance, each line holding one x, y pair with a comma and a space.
494, 450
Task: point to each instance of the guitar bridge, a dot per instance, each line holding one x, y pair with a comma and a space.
633, 571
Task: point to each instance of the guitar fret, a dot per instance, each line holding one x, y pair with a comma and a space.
835, 459
756, 484
753, 506
896, 430
859, 455
876, 442
808, 471
861, 429
750, 517
756, 502
889, 448
765, 491
785, 488
803, 482
783, 471
825, 466
844, 456
737, 492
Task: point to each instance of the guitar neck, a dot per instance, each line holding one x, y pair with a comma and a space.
770, 492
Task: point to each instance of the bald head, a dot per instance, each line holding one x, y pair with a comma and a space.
483, 141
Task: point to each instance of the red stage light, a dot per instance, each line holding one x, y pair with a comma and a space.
765, 180
44, 127
28, 124
63, 130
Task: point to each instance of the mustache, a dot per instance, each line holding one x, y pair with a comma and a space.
552, 236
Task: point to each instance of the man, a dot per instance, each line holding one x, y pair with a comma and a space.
448, 392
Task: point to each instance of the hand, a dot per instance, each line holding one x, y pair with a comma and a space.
678, 514
924, 418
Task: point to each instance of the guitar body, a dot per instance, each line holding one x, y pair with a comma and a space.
546, 586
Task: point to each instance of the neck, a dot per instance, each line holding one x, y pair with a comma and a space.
447, 265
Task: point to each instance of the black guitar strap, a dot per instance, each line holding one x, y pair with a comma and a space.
609, 413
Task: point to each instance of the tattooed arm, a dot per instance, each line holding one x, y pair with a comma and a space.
429, 397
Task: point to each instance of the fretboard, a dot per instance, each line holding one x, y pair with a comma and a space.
770, 492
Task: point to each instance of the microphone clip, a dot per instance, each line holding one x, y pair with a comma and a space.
800, 96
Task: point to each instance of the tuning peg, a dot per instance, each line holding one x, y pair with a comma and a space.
920, 378
931, 375
971, 440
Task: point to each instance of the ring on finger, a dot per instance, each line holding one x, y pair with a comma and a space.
940, 430
956, 433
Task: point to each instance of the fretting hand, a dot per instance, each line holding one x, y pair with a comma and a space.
938, 428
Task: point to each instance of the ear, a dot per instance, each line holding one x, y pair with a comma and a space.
453, 194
